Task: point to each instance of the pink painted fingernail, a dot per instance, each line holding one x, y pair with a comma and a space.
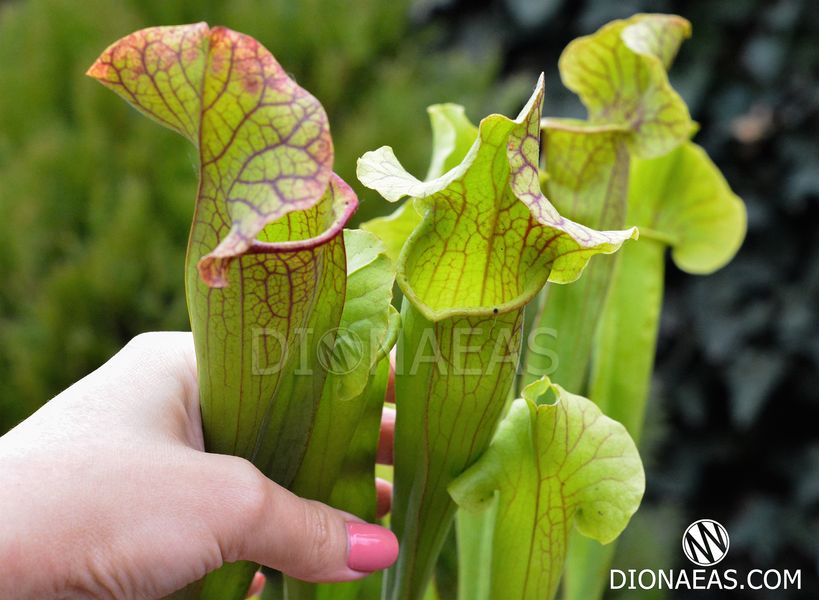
371, 547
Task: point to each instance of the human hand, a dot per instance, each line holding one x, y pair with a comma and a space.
107, 492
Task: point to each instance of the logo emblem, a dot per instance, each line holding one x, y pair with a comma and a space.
705, 542
340, 350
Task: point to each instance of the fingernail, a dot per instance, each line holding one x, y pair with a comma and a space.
372, 548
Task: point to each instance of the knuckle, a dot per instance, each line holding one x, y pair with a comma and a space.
142, 341
95, 578
145, 348
160, 344
320, 549
246, 502
253, 491
166, 353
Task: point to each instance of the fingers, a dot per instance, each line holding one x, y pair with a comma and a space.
389, 398
385, 439
257, 585
383, 497
302, 538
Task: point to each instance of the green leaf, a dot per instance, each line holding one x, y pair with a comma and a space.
474, 530
453, 377
619, 72
587, 171
349, 414
488, 241
269, 204
394, 229
354, 491
680, 199
367, 330
683, 200
556, 462
453, 134
624, 350
452, 137
619, 383
264, 142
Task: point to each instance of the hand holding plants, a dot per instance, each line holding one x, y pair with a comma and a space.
107, 493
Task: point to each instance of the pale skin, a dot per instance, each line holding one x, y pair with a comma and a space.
107, 492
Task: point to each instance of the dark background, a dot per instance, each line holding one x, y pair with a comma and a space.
95, 203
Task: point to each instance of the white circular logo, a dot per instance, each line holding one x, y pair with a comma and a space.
340, 350
705, 542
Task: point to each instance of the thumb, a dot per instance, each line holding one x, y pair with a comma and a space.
301, 538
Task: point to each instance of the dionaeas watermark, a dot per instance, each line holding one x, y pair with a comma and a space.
705, 543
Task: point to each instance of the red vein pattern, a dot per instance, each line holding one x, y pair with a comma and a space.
554, 466
619, 72
488, 242
268, 202
264, 142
